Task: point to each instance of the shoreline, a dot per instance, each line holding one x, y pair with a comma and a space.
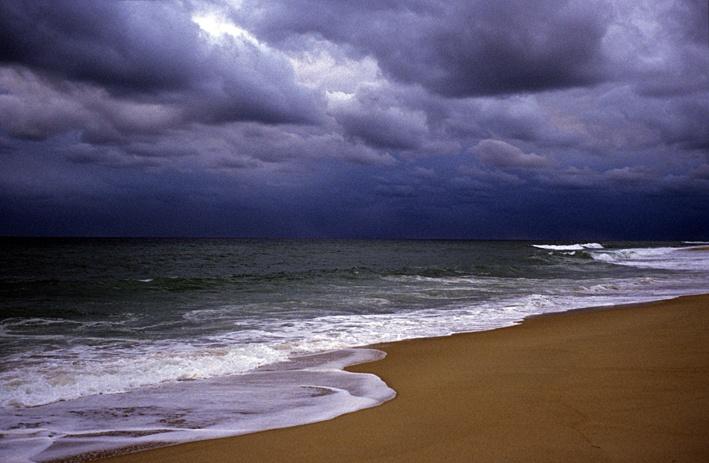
461, 396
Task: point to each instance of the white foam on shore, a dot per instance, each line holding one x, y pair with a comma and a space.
303, 391
35, 377
88, 397
298, 391
86, 370
31, 378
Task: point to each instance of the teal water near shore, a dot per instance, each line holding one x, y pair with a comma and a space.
114, 342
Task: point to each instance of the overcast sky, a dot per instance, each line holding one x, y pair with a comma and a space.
384, 118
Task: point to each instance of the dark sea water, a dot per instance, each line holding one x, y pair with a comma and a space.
107, 343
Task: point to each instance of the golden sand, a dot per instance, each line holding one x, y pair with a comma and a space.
628, 385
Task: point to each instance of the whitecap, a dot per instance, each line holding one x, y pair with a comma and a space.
568, 247
663, 258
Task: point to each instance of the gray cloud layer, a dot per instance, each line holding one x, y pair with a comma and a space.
459, 48
441, 105
153, 52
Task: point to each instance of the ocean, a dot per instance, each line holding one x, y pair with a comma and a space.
113, 343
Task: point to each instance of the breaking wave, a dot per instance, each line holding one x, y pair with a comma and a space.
568, 247
663, 258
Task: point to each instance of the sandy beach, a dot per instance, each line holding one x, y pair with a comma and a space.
620, 384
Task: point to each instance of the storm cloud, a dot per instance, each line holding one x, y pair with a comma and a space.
388, 118
458, 48
153, 52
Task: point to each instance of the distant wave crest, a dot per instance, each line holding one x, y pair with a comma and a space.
568, 247
664, 258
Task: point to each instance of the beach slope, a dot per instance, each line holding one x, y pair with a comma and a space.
622, 384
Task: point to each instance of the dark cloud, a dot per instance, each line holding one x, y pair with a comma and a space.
109, 43
83, 153
387, 128
153, 52
701, 172
397, 118
457, 49
500, 154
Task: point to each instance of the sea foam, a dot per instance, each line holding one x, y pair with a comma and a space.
237, 359
662, 258
568, 247
305, 390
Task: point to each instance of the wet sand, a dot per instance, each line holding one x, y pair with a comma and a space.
623, 384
